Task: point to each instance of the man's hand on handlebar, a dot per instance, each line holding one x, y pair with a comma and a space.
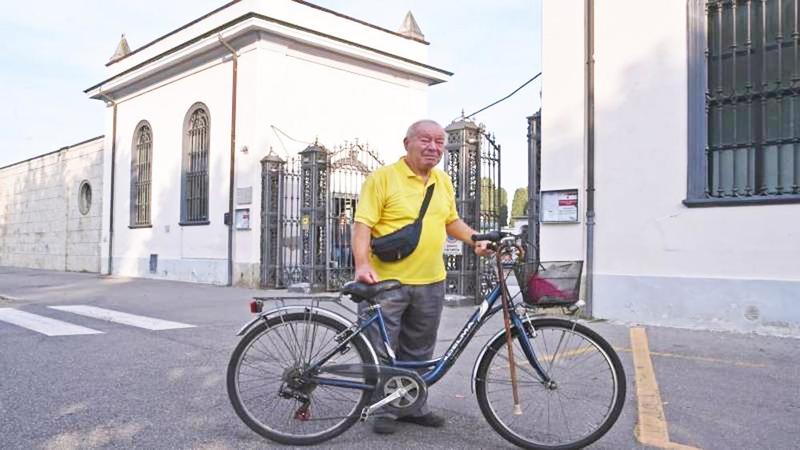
484, 248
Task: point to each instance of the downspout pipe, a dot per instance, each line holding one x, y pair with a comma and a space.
590, 213
113, 171
232, 174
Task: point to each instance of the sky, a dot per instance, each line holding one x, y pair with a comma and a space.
51, 51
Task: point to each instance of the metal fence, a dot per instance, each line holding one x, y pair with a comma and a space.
308, 204
472, 159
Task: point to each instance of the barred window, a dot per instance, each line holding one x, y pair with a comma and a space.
141, 170
194, 186
749, 149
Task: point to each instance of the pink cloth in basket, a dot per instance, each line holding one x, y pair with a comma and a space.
539, 287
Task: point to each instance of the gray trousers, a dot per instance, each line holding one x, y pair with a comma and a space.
412, 318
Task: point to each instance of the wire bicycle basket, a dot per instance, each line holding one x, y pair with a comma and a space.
549, 283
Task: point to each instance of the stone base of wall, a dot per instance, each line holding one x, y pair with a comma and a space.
210, 271
247, 275
760, 306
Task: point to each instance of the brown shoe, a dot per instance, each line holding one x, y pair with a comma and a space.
384, 425
428, 420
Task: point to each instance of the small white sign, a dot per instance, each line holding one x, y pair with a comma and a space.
560, 206
244, 195
453, 247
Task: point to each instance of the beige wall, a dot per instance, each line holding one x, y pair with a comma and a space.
656, 261
41, 225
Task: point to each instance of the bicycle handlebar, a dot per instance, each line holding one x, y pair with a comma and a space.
492, 236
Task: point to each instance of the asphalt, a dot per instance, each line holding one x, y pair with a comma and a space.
129, 388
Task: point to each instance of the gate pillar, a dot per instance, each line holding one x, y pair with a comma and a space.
534, 183
315, 173
272, 188
462, 163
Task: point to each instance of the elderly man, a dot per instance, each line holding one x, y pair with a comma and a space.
390, 199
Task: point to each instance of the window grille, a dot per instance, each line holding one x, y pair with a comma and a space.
194, 208
752, 100
141, 171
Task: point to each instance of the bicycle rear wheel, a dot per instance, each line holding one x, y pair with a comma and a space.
264, 395
581, 405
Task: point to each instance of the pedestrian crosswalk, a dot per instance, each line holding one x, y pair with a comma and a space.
53, 327
41, 324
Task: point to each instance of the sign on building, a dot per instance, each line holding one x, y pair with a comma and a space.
560, 206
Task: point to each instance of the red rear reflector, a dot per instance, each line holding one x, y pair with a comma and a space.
255, 306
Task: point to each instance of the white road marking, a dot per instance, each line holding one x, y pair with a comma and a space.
121, 317
41, 324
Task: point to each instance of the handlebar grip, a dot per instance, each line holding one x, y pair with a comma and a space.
492, 236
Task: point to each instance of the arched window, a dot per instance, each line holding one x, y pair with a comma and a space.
194, 185
141, 170
85, 197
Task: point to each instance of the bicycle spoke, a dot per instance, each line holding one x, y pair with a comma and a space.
580, 400
296, 411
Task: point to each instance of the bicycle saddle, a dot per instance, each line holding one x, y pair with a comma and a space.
359, 291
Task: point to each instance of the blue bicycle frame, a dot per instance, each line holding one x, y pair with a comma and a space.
441, 365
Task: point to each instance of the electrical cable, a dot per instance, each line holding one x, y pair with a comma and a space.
504, 98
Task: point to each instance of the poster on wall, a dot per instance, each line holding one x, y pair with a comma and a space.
560, 206
243, 219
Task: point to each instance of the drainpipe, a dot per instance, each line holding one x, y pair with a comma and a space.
589, 156
113, 165
235, 59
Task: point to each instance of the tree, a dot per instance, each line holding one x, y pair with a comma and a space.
520, 202
488, 192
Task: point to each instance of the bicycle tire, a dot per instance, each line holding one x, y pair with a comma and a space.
285, 358
519, 429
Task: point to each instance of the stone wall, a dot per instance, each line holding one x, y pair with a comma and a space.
42, 224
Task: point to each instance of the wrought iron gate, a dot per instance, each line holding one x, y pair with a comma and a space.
472, 160
349, 167
307, 209
534, 182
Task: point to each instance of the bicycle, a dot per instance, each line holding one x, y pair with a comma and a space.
303, 374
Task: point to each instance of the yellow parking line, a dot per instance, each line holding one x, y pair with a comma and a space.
700, 358
651, 428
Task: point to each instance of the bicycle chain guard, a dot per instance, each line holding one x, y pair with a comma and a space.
388, 381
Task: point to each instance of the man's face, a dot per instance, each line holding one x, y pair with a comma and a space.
424, 149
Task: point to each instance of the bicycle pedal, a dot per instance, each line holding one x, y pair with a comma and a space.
364, 414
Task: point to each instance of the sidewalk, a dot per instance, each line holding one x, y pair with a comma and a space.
694, 388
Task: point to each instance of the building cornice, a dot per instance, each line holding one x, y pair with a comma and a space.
290, 31
227, 5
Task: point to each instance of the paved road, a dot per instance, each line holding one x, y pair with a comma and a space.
127, 385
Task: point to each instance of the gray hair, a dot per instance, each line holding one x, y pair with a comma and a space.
412, 130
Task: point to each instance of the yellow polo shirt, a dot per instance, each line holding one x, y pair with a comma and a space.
390, 199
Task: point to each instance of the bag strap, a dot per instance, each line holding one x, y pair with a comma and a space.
424, 208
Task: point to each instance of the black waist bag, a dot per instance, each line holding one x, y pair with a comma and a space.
401, 243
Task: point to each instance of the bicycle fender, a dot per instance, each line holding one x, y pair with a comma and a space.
266, 315
248, 325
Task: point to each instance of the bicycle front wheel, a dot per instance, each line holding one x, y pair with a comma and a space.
578, 407
262, 376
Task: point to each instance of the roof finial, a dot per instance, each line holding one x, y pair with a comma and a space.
123, 49
410, 28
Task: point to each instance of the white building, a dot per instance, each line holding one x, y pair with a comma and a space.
299, 70
684, 235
